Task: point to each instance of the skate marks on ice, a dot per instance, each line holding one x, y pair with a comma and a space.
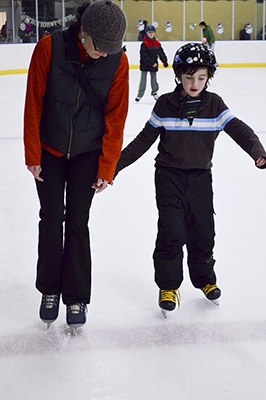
69, 330
61, 340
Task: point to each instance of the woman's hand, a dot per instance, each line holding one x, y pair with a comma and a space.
36, 170
100, 185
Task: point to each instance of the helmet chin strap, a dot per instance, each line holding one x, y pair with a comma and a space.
179, 83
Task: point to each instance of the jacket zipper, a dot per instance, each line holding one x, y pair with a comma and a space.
71, 131
71, 122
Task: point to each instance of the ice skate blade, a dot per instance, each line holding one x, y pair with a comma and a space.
215, 302
48, 323
74, 328
164, 313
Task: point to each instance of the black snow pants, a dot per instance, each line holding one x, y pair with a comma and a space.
64, 257
185, 204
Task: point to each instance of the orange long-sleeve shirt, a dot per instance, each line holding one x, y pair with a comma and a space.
115, 116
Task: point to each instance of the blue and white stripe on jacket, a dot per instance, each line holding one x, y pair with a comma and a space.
199, 124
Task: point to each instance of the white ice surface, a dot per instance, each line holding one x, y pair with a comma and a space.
127, 351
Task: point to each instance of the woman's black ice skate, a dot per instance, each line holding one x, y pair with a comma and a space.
212, 293
49, 308
76, 315
167, 300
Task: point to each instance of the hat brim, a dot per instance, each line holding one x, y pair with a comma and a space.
108, 47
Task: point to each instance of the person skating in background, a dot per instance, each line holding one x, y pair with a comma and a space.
208, 35
187, 122
27, 31
3, 32
244, 34
75, 111
260, 34
150, 51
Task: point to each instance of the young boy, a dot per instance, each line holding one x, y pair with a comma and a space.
188, 121
150, 50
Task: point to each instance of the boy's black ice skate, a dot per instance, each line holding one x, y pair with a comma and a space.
76, 315
212, 293
49, 308
137, 99
167, 300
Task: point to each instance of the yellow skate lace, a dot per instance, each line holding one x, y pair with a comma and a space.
208, 288
171, 295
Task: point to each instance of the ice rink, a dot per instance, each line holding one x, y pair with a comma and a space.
127, 351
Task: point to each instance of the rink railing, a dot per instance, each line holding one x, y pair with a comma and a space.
15, 58
239, 65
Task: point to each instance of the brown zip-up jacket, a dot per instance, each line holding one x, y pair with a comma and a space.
187, 145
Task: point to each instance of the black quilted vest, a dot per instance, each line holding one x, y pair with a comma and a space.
71, 122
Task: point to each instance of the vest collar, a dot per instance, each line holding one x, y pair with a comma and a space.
72, 47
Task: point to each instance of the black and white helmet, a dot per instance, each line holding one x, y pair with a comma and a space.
194, 54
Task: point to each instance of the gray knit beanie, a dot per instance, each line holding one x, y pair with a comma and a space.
106, 23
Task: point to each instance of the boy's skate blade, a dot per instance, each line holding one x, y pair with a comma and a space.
164, 313
216, 302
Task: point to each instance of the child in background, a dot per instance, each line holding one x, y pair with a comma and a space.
142, 33
208, 35
188, 121
150, 50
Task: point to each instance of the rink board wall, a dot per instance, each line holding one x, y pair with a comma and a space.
229, 53
15, 58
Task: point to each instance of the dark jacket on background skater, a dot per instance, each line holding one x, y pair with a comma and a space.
150, 50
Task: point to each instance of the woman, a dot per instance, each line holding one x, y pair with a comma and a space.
75, 111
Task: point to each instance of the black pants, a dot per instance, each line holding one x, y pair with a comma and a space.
64, 258
185, 203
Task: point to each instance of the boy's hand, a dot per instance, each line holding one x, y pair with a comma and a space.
260, 162
100, 185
